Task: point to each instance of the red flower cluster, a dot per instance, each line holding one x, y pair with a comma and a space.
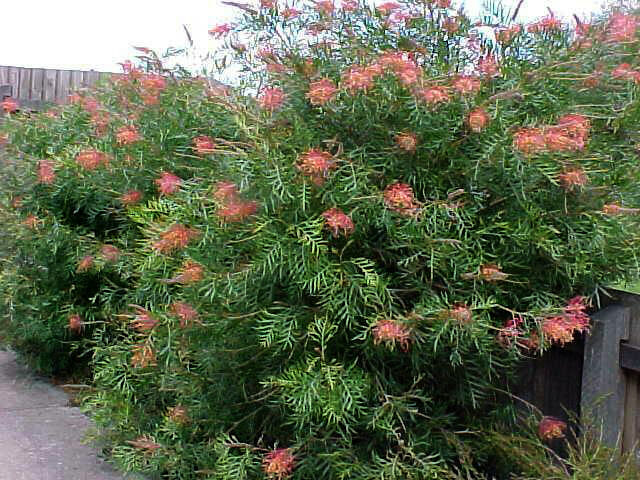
545, 25
358, 78
338, 222
168, 183
325, 7
465, 84
622, 28
46, 172
110, 253
143, 320
145, 443
550, 428
85, 264
390, 331
573, 177
488, 66
204, 145
434, 95
387, 7
231, 207
615, 209
461, 313
407, 142
192, 272
127, 135
561, 328
31, 222
492, 273
92, 159
625, 71
570, 134
131, 197
271, 98
75, 323
9, 105
478, 120
220, 30
321, 92
178, 414
506, 35
185, 312
279, 463
143, 356
178, 236
316, 165
399, 197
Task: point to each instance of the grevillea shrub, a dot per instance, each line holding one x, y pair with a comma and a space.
333, 269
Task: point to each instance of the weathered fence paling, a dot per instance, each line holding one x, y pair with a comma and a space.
34, 87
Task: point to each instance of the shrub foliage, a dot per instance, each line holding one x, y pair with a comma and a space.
330, 269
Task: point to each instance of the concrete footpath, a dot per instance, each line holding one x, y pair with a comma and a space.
40, 434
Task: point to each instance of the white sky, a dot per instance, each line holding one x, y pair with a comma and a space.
97, 34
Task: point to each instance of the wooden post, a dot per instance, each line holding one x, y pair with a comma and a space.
603, 381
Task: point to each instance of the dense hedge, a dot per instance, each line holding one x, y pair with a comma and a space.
331, 269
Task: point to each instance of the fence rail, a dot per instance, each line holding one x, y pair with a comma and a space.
34, 87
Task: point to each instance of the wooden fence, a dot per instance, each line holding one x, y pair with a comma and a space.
34, 87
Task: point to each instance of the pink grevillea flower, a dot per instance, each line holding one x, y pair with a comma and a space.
478, 120
168, 183
150, 99
550, 428
350, 5
204, 145
434, 95
399, 198
127, 135
110, 253
75, 324
506, 35
321, 91
491, 273
268, 3
316, 165
143, 320
529, 140
220, 30
622, 28
185, 312
488, 66
390, 331
92, 159
407, 142
387, 7
461, 313
85, 264
46, 172
510, 331
338, 222
545, 25
561, 328
574, 125
143, 356
615, 209
178, 414
31, 222
623, 71
192, 272
325, 7
279, 463
131, 197
451, 25
9, 105
358, 78
573, 177
231, 207
145, 443
465, 84
271, 98
176, 237
153, 83
290, 12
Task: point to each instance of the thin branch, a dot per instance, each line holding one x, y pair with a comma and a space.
517, 10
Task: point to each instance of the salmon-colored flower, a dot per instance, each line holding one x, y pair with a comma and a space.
573, 177
204, 145
358, 78
143, 320
622, 27
290, 12
145, 443
10, 105
279, 463
387, 7
451, 25
488, 66
31, 222
92, 159
271, 98
143, 356
491, 273
390, 331
237, 210
176, 237
506, 35
325, 7
545, 25
350, 5
46, 172
529, 140
76, 324
131, 197
178, 414
268, 3
550, 428
185, 312
461, 313
168, 183
510, 331
407, 142
85, 264
192, 272
338, 222
127, 135
478, 120
615, 209
110, 253
561, 328
623, 71
220, 30
399, 198
434, 95
153, 83
465, 84
321, 91
150, 99
316, 164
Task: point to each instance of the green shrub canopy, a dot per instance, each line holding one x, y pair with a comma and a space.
331, 269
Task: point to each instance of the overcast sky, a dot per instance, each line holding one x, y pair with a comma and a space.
84, 35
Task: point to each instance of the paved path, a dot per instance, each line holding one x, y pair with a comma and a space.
40, 434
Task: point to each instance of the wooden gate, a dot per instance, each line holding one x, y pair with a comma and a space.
35, 87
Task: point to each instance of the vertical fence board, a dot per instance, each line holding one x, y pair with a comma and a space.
13, 75
76, 80
64, 82
50, 83
37, 84
4, 75
25, 84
